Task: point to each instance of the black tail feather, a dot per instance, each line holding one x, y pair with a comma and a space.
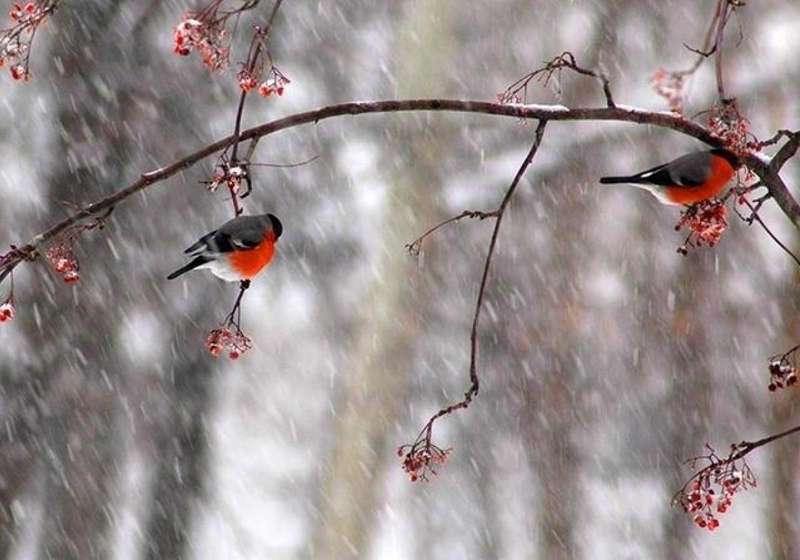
191, 265
617, 180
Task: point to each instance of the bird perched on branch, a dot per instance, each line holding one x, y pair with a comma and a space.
237, 251
687, 180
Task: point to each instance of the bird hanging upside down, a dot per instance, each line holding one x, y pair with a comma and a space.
237, 251
687, 180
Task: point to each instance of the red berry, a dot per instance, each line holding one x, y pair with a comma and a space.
264, 89
7, 312
17, 72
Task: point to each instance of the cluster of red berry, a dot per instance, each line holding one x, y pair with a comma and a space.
64, 261
275, 82
706, 220
781, 374
23, 13
231, 177
422, 458
7, 311
711, 494
15, 42
669, 85
224, 340
207, 37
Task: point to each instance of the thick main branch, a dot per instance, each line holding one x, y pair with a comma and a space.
540, 112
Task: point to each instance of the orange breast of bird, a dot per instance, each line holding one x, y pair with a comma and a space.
721, 173
248, 263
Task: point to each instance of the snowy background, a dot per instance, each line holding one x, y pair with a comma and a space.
606, 358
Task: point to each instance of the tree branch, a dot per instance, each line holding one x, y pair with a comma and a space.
787, 150
761, 166
418, 456
722, 20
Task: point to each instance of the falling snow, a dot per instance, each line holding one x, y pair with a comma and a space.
606, 358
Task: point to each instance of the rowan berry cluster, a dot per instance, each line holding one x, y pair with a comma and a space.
206, 36
230, 176
15, 42
63, 260
7, 311
223, 339
706, 221
670, 86
782, 373
709, 494
275, 81
422, 458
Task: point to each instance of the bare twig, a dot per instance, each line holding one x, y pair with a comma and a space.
722, 20
518, 91
755, 217
414, 247
707, 49
285, 165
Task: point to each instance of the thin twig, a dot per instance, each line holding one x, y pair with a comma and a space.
415, 246
286, 165
427, 431
722, 20
754, 216
518, 91
473, 368
748, 446
707, 50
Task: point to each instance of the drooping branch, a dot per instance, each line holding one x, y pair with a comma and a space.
420, 456
758, 163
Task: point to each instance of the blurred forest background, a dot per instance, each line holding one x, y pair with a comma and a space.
606, 358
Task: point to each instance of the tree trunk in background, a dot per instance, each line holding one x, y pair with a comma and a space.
178, 446
784, 502
376, 387
553, 400
690, 392
76, 371
781, 482
63, 415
